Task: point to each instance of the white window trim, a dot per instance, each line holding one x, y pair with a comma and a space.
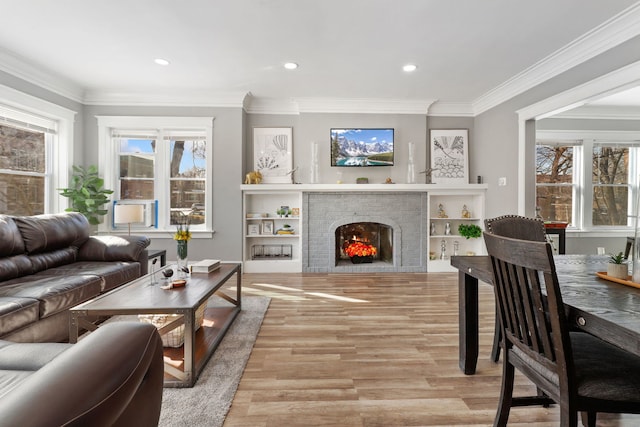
60, 157
583, 169
108, 155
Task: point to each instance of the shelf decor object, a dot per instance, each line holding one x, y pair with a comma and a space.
411, 169
267, 227
315, 175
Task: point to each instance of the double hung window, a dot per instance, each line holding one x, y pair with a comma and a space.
588, 182
35, 154
169, 163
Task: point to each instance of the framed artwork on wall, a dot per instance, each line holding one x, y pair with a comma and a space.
449, 156
273, 154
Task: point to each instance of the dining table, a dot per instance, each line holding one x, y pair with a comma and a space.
601, 307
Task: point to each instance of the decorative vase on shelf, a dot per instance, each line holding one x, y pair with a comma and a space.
314, 178
182, 252
411, 169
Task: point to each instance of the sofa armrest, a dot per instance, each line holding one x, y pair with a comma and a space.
112, 377
113, 248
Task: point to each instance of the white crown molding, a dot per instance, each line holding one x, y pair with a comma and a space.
168, 99
263, 105
609, 34
451, 109
364, 105
20, 68
601, 112
256, 105
607, 84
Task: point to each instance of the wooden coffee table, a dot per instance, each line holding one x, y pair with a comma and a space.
182, 365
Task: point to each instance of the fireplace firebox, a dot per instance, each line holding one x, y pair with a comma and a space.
364, 242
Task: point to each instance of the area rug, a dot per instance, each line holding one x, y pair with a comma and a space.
207, 403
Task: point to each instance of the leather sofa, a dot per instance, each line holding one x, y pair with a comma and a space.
112, 377
50, 263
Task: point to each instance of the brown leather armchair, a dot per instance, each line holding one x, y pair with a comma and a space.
113, 377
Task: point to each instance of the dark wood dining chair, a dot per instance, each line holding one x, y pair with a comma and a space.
516, 227
579, 372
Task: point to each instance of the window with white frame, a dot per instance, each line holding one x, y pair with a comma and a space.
588, 182
161, 159
36, 144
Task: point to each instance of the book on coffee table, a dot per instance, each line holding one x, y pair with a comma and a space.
205, 266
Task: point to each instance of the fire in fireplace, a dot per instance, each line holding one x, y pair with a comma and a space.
363, 242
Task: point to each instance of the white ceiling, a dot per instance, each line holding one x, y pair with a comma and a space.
465, 50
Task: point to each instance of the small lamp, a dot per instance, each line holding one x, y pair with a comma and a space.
127, 214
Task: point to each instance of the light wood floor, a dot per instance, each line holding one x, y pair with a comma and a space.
372, 350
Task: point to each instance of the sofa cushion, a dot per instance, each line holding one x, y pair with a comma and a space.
17, 312
112, 274
15, 266
55, 293
19, 361
46, 260
45, 233
113, 248
12, 243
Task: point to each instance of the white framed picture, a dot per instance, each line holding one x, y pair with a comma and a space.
267, 227
449, 156
273, 154
253, 229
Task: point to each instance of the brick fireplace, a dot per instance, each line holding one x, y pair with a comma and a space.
398, 224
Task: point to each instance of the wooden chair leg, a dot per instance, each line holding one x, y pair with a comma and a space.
506, 395
568, 417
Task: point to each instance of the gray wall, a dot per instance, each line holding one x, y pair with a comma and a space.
309, 128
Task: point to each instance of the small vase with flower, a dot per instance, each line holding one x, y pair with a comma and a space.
182, 237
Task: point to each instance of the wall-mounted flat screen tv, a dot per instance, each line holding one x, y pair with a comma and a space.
362, 147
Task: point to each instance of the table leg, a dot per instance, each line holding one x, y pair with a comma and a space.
468, 322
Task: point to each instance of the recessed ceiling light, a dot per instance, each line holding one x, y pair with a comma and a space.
161, 61
409, 68
290, 65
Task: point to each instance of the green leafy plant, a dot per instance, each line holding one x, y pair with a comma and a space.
87, 193
616, 259
469, 231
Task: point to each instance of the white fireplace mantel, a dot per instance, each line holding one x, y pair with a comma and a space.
361, 187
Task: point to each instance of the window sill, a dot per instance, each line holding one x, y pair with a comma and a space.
622, 232
159, 234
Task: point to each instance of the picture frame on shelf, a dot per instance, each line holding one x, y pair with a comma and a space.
267, 226
295, 212
449, 156
253, 229
273, 154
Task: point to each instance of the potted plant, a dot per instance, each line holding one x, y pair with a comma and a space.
617, 267
87, 193
469, 231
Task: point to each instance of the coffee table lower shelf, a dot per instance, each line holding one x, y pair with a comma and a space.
217, 320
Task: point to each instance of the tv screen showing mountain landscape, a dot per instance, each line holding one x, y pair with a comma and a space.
361, 147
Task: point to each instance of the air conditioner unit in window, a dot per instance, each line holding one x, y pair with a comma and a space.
150, 215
